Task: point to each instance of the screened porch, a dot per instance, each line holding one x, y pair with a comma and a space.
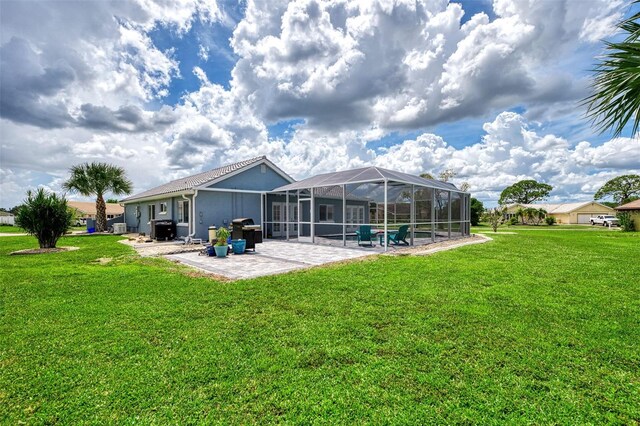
338, 208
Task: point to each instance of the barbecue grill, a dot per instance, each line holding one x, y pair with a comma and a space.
163, 229
245, 229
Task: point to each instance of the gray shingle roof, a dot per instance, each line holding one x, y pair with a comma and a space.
190, 182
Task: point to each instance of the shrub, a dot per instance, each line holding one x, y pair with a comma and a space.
222, 236
550, 220
45, 216
626, 223
476, 211
514, 221
495, 217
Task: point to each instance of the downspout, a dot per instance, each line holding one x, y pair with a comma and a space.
184, 197
195, 194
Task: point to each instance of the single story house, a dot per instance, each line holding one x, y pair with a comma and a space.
633, 208
7, 218
565, 213
87, 210
327, 207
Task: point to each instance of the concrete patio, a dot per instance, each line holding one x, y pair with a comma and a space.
272, 257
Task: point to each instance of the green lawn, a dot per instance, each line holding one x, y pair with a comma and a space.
539, 327
542, 227
11, 230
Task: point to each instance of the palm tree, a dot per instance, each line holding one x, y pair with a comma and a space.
540, 215
531, 213
96, 179
616, 86
521, 213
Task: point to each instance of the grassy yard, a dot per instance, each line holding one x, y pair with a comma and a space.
11, 230
543, 227
538, 327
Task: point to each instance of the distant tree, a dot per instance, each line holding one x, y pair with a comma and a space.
476, 211
611, 204
621, 189
445, 176
45, 216
525, 192
97, 179
495, 217
616, 86
111, 200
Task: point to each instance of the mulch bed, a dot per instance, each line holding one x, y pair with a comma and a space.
44, 251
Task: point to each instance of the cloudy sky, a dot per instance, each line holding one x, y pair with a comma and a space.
165, 88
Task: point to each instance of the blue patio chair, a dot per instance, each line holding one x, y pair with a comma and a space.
364, 235
400, 236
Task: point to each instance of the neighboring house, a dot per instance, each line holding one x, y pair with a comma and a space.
633, 208
565, 213
87, 210
7, 218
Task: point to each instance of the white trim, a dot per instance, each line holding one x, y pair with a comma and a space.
158, 197
244, 191
182, 224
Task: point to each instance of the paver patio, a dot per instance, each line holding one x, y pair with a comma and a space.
272, 257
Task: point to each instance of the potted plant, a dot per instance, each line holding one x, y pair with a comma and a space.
221, 246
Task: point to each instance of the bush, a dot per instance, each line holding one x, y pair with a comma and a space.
494, 217
222, 236
550, 220
626, 223
514, 221
476, 211
45, 216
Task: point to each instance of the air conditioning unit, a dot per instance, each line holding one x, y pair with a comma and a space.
119, 228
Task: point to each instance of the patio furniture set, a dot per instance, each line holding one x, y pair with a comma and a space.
366, 235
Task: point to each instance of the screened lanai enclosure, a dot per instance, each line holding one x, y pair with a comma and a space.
369, 206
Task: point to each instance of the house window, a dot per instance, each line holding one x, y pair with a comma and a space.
163, 208
326, 213
152, 212
183, 212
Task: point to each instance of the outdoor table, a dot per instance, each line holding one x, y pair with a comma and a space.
380, 233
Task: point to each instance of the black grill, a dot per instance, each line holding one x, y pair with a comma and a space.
163, 229
244, 229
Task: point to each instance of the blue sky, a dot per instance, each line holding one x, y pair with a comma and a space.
489, 89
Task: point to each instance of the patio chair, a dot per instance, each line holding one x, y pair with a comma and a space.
364, 235
399, 236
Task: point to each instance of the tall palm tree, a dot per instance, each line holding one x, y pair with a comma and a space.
97, 179
616, 86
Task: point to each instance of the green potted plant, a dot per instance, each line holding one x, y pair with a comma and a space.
221, 246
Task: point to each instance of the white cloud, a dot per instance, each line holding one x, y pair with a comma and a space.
512, 151
79, 80
408, 64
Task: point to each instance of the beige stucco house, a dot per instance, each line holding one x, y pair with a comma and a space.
633, 208
566, 213
87, 210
